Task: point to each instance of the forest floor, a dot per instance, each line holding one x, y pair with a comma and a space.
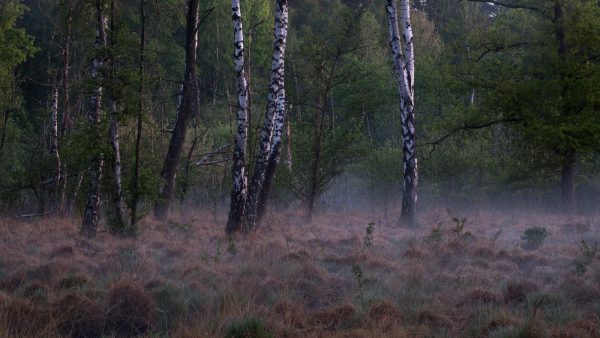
293, 278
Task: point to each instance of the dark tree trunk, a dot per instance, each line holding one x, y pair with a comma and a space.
135, 195
567, 181
315, 178
187, 107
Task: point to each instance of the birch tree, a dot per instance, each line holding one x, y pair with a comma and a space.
404, 71
92, 207
118, 204
270, 139
188, 105
239, 189
54, 138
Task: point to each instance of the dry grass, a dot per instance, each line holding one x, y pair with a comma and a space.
292, 279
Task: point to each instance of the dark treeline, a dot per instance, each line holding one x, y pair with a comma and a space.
116, 109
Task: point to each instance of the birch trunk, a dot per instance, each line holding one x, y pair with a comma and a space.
92, 208
272, 119
54, 139
118, 204
274, 156
188, 105
239, 189
404, 68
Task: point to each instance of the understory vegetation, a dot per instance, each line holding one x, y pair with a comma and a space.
298, 279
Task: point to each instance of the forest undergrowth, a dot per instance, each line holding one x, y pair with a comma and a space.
341, 275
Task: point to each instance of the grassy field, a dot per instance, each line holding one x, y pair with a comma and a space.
458, 275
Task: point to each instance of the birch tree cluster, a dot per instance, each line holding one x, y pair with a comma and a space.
112, 111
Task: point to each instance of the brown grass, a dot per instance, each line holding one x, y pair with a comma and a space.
296, 279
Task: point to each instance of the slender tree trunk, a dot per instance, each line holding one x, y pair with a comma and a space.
67, 119
567, 181
187, 107
280, 117
567, 178
404, 71
66, 55
92, 208
274, 115
54, 139
274, 157
239, 189
316, 167
288, 142
138, 138
188, 164
119, 205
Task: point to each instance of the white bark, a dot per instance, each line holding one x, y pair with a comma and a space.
54, 137
273, 115
118, 185
239, 189
404, 69
92, 208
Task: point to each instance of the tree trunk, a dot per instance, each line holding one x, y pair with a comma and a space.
54, 139
274, 157
239, 189
66, 55
188, 163
404, 71
316, 167
138, 138
188, 106
119, 205
92, 208
273, 115
567, 181
288, 142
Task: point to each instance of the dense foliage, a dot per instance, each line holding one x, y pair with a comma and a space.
507, 100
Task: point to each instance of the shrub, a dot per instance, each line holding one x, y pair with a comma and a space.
248, 328
78, 316
129, 309
517, 291
534, 237
21, 318
73, 281
169, 304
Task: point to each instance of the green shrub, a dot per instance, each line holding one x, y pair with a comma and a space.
169, 305
534, 237
248, 328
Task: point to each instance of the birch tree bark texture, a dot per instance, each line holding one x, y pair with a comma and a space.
270, 138
239, 188
113, 132
92, 207
404, 70
188, 105
54, 138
